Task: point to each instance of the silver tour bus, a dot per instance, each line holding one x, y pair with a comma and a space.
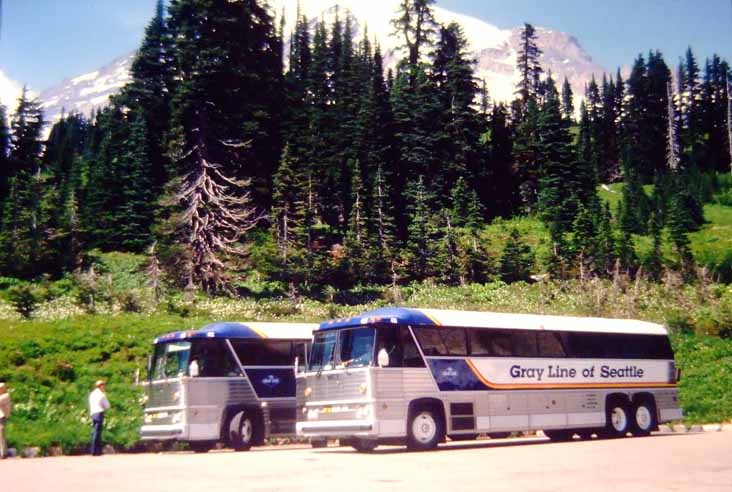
226, 382
417, 376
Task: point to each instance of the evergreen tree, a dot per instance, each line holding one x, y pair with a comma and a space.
516, 260
414, 24
528, 65
421, 230
22, 238
6, 171
149, 91
567, 101
498, 186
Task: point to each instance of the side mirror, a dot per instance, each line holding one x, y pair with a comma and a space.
297, 365
383, 358
148, 366
193, 369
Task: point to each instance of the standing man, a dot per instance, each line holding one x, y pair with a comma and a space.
4, 414
98, 403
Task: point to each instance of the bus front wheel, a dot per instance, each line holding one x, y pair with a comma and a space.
425, 430
364, 445
242, 437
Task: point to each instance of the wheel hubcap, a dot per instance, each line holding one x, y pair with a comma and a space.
246, 430
643, 418
424, 428
618, 419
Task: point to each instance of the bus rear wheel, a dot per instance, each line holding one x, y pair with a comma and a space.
425, 430
559, 435
644, 417
617, 418
318, 443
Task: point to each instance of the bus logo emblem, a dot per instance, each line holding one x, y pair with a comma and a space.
450, 372
271, 381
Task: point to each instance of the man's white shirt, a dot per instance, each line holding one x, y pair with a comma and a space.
97, 402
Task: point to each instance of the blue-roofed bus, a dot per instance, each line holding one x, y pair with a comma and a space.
225, 382
417, 376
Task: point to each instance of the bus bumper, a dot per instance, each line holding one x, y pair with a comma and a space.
336, 428
162, 432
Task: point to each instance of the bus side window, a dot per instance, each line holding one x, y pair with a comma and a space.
389, 340
412, 357
549, 344
524, 344
214, 359
301, 349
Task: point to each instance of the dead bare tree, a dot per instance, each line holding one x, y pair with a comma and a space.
215, 211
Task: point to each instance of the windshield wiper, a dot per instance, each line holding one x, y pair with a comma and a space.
326, 361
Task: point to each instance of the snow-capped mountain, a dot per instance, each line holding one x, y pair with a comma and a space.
86, 92
494, 49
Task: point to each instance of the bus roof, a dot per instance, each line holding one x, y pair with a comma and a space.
476, 319
246, 330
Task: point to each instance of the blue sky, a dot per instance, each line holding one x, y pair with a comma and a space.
45, 41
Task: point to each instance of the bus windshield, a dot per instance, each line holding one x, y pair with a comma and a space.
170, 360
323, 350
357, 347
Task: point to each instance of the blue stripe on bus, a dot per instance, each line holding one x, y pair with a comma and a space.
454, 375
396, 316
272, 383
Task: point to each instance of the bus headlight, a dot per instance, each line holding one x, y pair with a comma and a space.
176, 396
177, 417
362, 388
313, 414
308, 391
148, 418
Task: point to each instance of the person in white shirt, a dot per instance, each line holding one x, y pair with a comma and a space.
4, 414
98, 403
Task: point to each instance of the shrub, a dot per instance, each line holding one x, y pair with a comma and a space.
25, 299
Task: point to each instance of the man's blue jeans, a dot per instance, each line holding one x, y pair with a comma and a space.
96, 439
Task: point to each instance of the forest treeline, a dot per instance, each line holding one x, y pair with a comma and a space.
315, 165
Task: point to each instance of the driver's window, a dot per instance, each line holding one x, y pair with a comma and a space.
389, 339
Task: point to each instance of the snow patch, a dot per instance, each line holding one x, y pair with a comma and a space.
85, 78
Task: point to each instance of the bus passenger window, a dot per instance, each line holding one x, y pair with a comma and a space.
412, 357
550, 345
496, 343
214, 359
524, 344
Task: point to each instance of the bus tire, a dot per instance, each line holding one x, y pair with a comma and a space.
200, 446
644, 417
243, 437
364, 445
318, 443
559, 435
618, 418
499, 435
463, 437
426, 428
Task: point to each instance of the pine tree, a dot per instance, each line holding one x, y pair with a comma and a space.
516, 260
148, 93
567, 101
6, 170
421, 230
22, 238
498, 186
414, 24
528, 65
